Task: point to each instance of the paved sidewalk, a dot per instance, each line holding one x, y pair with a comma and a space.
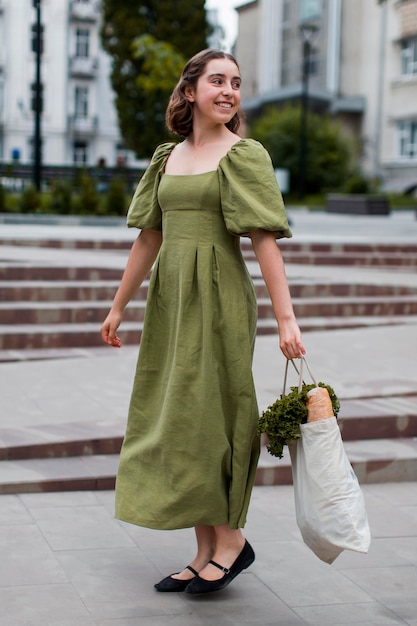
65, 561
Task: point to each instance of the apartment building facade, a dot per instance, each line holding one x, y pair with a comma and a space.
362, 70
79, 124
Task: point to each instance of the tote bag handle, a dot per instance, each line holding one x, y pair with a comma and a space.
299, 372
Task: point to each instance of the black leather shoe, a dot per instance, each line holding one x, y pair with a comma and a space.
174, 584
200, 585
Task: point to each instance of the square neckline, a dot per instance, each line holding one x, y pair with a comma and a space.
201, 173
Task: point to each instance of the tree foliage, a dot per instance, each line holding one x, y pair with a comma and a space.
162, 64
329, 152
149, 41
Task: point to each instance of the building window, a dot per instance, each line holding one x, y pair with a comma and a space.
81, 101
407, 139
409, 57
80, 153
82, 43
310, 10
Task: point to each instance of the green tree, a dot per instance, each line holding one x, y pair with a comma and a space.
329, 153
162, 64
145, 69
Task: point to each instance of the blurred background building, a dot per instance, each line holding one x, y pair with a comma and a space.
79, 121
362, 69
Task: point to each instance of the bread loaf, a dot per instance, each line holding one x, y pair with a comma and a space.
319, 405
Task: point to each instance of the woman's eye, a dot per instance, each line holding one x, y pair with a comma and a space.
236, 85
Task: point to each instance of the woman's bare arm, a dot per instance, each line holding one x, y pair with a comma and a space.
273, 271
142, 256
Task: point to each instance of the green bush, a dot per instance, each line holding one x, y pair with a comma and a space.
60, 198
357, 183
329, 152
30, 200
88, 201
116, 198
2, 199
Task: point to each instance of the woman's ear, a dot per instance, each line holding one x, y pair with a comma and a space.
189, 93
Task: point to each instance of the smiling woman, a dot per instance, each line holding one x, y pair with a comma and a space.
213, 97
209, 71
190, 452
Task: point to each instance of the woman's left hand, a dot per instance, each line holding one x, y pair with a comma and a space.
290, 340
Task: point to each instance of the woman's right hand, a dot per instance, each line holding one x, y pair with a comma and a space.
109, 329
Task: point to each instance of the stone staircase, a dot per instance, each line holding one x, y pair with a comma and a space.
45, 307
379, 436
49, 311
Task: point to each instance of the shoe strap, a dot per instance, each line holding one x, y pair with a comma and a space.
226, 570
192, 570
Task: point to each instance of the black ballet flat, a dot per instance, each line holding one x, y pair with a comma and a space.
200, 585
174, 584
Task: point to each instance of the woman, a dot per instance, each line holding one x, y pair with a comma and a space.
190, 452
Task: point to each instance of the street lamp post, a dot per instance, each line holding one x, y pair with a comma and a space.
307, 31
37, 103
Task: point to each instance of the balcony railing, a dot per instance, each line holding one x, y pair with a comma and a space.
83, 126
84, 11
83, 67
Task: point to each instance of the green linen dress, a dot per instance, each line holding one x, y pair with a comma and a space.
190, 451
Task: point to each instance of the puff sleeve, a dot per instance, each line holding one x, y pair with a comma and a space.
250, 195
144, 210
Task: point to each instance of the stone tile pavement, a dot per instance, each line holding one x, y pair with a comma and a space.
65, 561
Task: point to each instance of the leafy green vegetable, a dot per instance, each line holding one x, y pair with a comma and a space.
281, 421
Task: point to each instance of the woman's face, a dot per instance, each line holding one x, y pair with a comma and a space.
216, 96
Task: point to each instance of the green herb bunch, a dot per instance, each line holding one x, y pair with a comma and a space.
281, 421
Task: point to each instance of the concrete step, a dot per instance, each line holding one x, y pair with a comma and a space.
385, 260
61, 290
51, 336
61, 440
359, 419
61, 474
36, 272
380, 436
69, 244
35, 337
85, 311
346, 306
383, 256
286, 244
380, 460
43, 354
373, 460
61, 313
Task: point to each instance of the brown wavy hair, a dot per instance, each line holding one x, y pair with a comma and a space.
179, 113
